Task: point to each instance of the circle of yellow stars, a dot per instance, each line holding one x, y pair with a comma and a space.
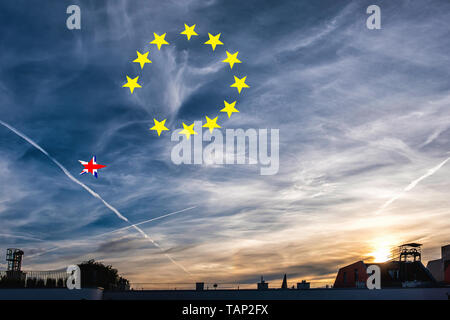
214, 41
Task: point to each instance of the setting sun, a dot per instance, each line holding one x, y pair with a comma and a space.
381, 254
382, 249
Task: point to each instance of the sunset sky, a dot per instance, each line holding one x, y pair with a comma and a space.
364, 136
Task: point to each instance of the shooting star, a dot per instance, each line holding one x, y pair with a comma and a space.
92, 192
411, 186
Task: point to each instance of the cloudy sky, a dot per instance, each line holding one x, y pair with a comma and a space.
364, 136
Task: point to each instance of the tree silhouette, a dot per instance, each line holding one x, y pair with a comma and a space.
96, 274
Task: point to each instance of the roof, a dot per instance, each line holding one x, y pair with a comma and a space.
412, 244
408, 271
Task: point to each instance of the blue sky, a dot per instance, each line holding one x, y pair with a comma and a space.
362, 114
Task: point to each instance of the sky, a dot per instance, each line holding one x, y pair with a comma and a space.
363, 144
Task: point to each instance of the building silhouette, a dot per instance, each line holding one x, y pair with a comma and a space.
404, 270
440, 268
284, 284
263, 285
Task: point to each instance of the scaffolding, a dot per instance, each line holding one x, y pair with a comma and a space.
410, 252
14, 259
30, 279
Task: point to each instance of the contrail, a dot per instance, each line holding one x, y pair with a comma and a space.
110, 232
92, 192
411, 186
143, 222
46, 251
6, 235
66, 172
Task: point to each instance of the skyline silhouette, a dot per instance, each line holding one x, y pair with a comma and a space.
363, 137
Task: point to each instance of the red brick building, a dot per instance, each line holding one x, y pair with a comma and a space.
406, 271
352, 276
394, 274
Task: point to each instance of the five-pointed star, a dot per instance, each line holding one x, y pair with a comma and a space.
214, 41
189, 31
142, 59
159, 40
132, 83
239, 83
229, 108
159, 126
211, 124
188, 130
232, 59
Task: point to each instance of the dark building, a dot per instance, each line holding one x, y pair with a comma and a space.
440, 268
303, 285
406, 270
263, 285
199, 286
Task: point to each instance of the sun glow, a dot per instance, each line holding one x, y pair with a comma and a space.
381, 255
382, 250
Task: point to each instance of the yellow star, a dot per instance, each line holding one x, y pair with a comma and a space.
188, 130
232, 59
211, 124
239, 83
132, 83
229, 108
189, 31
159, 40
159, 126
214, 41
142, 59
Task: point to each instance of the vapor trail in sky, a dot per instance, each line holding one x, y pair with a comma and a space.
411, 186
144, 222
92, 192
107, 233
66, 172
7, 235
